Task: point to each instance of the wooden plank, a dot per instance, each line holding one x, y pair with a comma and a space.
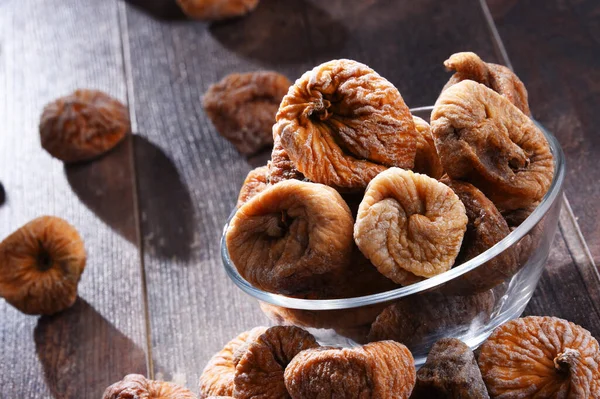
188, 176
48, 49
555, 49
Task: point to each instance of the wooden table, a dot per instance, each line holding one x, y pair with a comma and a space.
154, 298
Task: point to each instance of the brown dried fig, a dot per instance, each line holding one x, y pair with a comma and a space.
541, 357
380, 370
416, 319
256, 181
450, 372
259, 373
497, 77
409, 225
291, 238
426, 159
214, 10
280, 166
135, 386
40, 266
341, 124
83, 125
483, 139
486, 227
242, 106
217, 377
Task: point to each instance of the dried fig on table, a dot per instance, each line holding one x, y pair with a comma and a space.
136, 386
217, 377
416, 319
280, 166
40, 266
486, 227
541, 357
83, 125
341, 124
255, 182
483, 139
381, 370
497, 77
409, 225
214, 10
293, 238
426, 159
259, 373
242, 106
451, 372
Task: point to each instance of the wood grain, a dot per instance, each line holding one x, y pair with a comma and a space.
48, 49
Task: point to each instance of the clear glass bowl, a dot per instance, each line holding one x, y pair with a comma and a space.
447, 305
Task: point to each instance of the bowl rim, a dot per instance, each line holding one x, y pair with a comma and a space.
347, 303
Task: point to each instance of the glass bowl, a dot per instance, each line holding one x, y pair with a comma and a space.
467, 302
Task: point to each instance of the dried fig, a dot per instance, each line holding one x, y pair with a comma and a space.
255, 182
291, 238
135, 386
83, 125
280, 166
497, 77
259, 373
486, 227
541, 357
409, 225
214, 10
217, 377
416, 319
450, 372
381, 370
242, 106
483, 139
426, 159
40, 266
341, 124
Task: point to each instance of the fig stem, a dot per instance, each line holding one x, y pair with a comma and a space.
566, 359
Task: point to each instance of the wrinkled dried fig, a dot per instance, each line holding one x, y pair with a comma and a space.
40, 266
135, 386
291, 238
483, 139
214, 10
409, 225
450, 372
341, 124
380, 370
259, 373
416, 319
242, 106
280, 166
486, 227
217, 377
83, 125
426, 159
256, 181
541, 357
497, 77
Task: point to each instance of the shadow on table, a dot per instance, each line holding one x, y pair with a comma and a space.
81, 353
166, 10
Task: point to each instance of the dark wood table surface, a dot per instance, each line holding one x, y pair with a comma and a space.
154, 298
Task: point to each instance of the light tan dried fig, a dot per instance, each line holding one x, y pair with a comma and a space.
380, 370
256, 181
426, 159
541, 357
214, 10
341, 124
483, 139
136, 386
83, 125
409, 225
242, 106
217, 377
259, 373
40, 266
497, 77
292, 238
